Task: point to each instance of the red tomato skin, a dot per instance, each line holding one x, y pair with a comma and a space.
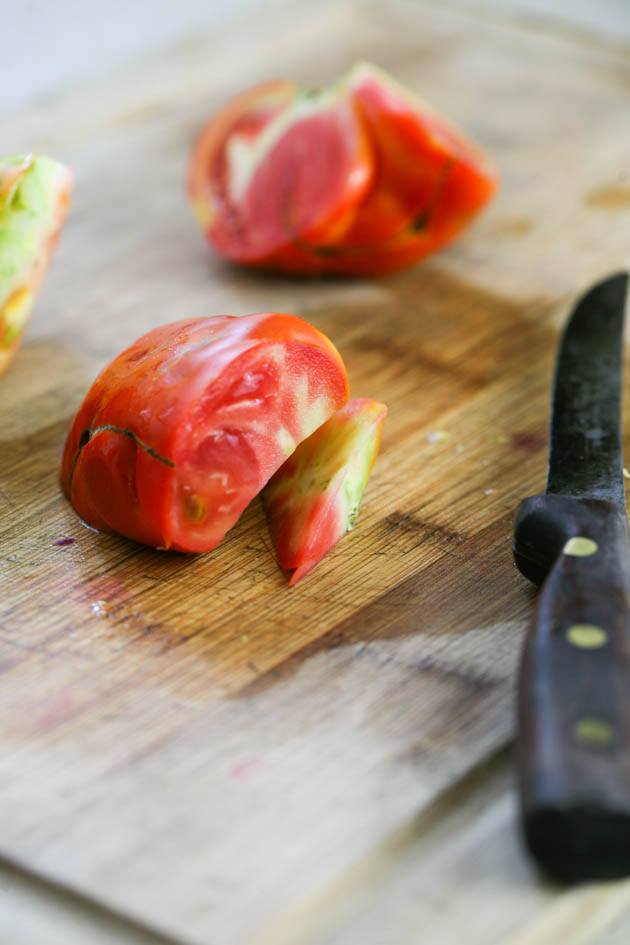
432, 182
399, 184
184, 427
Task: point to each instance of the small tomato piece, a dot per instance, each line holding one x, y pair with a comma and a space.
34, 198
359, 178
179, 433
314, 498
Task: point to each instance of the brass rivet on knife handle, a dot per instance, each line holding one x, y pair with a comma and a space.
580, 547
593, 731
586, 636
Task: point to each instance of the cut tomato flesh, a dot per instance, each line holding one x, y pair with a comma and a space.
359, 178
272, 183
314, 498
246, 116
185, 427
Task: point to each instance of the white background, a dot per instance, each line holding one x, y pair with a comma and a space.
49, 44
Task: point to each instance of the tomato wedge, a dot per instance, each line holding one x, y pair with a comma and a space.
180, 432
313, 500
34, 198
279, 169
359, 178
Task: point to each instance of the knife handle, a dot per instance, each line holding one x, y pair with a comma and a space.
574, 688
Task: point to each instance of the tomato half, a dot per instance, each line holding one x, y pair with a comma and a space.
314, 499
358, 178
34, 198
180, 432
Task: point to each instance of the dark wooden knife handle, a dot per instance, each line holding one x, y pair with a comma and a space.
574, 687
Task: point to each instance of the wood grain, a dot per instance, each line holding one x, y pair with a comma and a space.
457, 868
184, 739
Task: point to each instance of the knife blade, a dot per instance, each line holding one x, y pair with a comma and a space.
574, 681
585, 457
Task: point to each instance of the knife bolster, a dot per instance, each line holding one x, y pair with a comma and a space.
544, 523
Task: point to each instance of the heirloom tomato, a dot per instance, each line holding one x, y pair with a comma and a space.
180, 432
361, 177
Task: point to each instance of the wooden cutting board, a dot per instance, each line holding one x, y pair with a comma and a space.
185, 739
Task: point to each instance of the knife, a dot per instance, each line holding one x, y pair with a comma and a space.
574, 686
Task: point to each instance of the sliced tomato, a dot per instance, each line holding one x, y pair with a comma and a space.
34, 198
279, 167
182, 430
360, 178
314, 498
